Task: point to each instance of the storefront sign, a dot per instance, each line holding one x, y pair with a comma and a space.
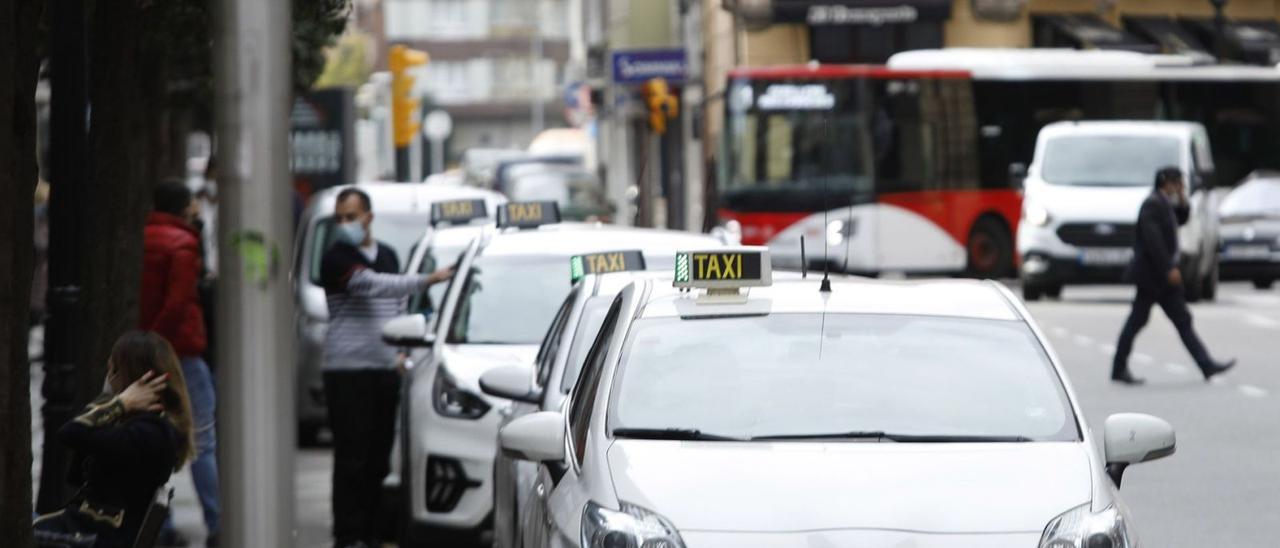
872, 13
323, 153
639, 66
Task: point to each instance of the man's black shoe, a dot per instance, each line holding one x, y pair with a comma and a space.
1127, 378
1217, 369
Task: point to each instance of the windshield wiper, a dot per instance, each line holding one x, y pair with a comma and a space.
679, 434
900, 438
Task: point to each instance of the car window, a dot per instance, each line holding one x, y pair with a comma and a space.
551, 343
804, 374
509, 299
589, 323
584, 397
1107, 160
433, 259
400, 231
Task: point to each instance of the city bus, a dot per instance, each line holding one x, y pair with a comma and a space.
914, 166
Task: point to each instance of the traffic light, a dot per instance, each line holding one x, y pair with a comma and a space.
404, 105
662, 104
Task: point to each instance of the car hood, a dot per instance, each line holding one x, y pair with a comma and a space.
1070, 203
792, 487
466, 362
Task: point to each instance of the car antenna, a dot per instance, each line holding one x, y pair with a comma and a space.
804, 263
825, 286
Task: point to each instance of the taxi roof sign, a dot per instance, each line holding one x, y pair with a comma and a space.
528, 214
728, 268
605, 263
458, 212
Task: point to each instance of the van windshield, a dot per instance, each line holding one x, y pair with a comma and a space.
399, 231
1107, 160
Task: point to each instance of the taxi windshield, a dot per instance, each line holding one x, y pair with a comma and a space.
794, 377
509, 300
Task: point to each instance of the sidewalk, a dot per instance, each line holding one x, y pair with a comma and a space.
312, 480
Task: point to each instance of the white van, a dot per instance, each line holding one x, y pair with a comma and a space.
1081, 199
401, 217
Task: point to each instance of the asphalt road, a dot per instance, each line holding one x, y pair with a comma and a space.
1222, 487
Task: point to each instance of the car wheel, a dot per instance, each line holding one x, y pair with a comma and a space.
1263, 283
1210, 291
1031, 291
990, 249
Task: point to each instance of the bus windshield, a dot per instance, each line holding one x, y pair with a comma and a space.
1107, 160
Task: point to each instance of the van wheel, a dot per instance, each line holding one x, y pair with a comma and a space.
1210, 291
1031, 291
990, 249
1053, 292
1263, 283
1192, 282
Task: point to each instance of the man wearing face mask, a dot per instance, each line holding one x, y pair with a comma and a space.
1155, 272
361, 379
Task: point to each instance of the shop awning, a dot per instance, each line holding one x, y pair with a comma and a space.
1086, 31
860, 12
1167, 33
1252, 41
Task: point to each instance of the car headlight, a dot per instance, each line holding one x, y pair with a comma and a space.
1036, 214
1081, 528
454, 402
632, 527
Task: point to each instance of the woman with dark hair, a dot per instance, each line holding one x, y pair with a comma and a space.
130, 440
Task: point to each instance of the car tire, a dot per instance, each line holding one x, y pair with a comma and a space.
1210, 283
1031, 291
989, 249
1053, 292
1263, 283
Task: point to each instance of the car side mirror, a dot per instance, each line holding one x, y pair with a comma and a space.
1132, 438
1017, 174
409, 330
512, 382
538, 437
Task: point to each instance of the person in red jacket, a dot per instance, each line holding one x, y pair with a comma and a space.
171, 307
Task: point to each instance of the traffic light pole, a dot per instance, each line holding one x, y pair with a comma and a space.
255, 307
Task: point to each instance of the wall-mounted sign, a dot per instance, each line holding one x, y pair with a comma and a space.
323, 150
796, 97
639, 66
872, 13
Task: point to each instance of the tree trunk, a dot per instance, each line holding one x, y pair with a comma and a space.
118, 194
18, 65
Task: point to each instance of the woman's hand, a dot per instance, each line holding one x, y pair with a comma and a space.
144, 394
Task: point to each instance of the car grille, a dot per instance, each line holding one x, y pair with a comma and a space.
1097, 234
446, 483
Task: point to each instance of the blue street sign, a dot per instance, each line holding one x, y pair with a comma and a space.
638, 66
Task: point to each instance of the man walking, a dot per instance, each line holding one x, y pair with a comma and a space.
1155, 272
171, 307
361, 378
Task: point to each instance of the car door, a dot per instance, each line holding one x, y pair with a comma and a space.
558, 493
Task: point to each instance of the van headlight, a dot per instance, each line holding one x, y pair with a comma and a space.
631, 527
1081, 528
453, 401
1036, 214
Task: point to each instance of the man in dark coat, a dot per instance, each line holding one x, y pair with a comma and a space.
1155, 272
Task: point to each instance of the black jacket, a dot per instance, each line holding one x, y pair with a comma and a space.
127, 457
1155, 243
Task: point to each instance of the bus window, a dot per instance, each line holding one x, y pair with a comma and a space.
925, 132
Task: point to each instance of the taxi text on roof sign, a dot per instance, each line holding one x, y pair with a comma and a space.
604, 263
727, 268
528, 214
458, 211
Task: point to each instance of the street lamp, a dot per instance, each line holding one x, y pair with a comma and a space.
1220, 27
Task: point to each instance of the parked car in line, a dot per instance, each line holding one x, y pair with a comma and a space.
1081, 199
579, 193
1250, 230
401, 213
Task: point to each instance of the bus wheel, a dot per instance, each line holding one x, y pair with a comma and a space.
990, 249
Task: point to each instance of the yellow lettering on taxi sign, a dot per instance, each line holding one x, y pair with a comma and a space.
528, 214
728, 268
458, 211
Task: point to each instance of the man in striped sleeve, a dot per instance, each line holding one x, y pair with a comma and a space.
361, 373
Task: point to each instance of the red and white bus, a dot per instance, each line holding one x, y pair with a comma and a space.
906, 167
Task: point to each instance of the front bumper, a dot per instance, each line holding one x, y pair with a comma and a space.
452, 464
1249, 270
1041, 269
859, 538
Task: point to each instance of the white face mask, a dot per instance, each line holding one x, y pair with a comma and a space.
352, 233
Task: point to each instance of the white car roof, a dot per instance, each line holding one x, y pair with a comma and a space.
568, 239
1108, 127
405, 197
1069, 64
953, 298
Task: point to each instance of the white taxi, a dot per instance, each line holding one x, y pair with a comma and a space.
509, 284
730, 411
